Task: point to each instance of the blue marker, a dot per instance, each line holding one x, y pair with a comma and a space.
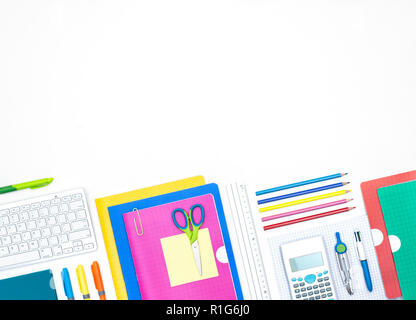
363, 260
67, 284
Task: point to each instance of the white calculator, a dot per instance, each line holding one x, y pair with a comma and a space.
307, 270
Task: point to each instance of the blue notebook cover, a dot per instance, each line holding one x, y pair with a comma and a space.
122, 242
32, 286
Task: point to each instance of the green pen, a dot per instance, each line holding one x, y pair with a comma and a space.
25, 185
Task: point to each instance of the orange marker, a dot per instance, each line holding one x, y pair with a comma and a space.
96, 273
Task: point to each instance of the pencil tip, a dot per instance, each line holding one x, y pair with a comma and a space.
346, 191
344, 183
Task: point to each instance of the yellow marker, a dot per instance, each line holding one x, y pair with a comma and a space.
292, 203
82, 281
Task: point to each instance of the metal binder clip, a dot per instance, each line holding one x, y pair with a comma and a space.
140, 221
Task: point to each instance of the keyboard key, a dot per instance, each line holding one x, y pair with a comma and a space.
11, 229
41, 223
67, 250
13, 249
31, 225
66, 228
53, 210
4, 212
24, 216
53, 241
57, 251
23, 246
66, 198
76, 205
15, 210
76, 196
34, 214
6, 240
35, 234
63, 238
16, 238
19, 258
46, 232
25, 207
81, 214
79, 235
45, 203
14, 218
61, 218
35, 205
46, 252
3, 231
79, 225
4, 251
33, 245
56, 201
43, 243
56, 230
43, 212
51, 221
64, 207
78, 249
26, 236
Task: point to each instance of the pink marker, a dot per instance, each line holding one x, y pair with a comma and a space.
290, 213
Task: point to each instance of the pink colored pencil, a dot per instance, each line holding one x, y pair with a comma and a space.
290, 213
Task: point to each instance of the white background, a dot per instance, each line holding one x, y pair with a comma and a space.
112, 96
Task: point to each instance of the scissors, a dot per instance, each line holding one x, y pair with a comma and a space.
192, 234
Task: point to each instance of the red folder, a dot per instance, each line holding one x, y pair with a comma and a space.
376, 220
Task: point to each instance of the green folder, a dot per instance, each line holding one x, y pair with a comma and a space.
32, 286
398, 203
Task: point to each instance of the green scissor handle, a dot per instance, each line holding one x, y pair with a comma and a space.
189, 220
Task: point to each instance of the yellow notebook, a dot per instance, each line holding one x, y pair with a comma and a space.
110, 244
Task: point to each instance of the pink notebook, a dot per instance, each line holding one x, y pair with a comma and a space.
163, 258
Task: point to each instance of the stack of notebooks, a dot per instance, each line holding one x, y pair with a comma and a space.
391, 208
151, 258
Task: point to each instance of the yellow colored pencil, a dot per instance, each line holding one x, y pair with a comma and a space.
300, 201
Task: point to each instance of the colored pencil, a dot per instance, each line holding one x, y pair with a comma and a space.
299, 184
291, 213
316, 216
303, 192
292, 203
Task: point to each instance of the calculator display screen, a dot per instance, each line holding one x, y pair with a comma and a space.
306, 262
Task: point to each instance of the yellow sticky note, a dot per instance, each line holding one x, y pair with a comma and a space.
180, 260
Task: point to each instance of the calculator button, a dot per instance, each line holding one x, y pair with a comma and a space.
300, 279
316, 292
326, 278
309, 288
317, 297
302, 284
326, 271
322, 290
310, 293
327, 284
328, 289
298, 296
320, 280
315, 286
310, 278
330, 294
303, 289
323, 296
293, 279
311, 298
295, 285
319, 274
297, 291
304, 295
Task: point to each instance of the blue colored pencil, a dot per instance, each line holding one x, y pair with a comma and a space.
303, 192
302, 183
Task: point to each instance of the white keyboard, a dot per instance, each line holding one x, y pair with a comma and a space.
45, 228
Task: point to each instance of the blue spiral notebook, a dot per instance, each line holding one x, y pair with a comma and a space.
122, 242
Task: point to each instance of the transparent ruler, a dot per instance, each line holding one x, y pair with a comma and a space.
245, 241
